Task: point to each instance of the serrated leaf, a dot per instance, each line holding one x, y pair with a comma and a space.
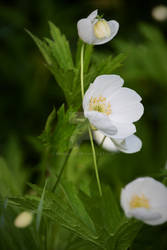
61, 48
77, 206
65, 134
43, 47
125, 235
110, 211
59, 61
50, 120
57, 208
106, 66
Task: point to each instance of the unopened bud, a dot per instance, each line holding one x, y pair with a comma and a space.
102, 29
24, 219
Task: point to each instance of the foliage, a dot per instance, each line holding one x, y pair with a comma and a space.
59, 61
74, 216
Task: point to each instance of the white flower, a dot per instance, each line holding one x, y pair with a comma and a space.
146, 200
129, 145
23, 220
111, 108
159, 13
95, 30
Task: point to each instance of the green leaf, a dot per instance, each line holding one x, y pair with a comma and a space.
66, 80
57, 208
8, 184
65, 132
49, 127
110, 211
60, 48
49, 122
106, 66
40, 208
43, 47
12, 237
125, 235
77, 206
59, 61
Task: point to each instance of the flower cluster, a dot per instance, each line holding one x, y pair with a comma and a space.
112, 110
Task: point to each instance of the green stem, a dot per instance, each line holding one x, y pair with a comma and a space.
90, 132
82, 71
95, 161
61, 170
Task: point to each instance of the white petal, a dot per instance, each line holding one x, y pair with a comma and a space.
106, 85
85, 30
123, 129
93, 15
114, 26
128, 113
107, 143
143, 214
126, 106
155, 192
88, 94
129, 145
101, 122
125, 96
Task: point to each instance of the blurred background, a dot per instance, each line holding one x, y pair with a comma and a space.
28, 91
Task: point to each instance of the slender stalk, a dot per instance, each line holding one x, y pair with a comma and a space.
61, 170
82, 71
90, 132
95, 161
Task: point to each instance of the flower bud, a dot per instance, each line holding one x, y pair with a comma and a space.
102, 29
24, 219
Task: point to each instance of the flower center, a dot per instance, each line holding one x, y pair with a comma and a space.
99, 104
139, 201
102, 29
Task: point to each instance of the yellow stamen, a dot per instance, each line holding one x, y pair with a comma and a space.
139, 201
99, 104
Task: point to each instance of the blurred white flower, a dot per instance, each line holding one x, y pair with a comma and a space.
96, 30
129, 145
24, 219
111, 108
159, 13
146, 200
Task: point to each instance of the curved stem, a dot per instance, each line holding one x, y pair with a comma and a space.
95, 161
